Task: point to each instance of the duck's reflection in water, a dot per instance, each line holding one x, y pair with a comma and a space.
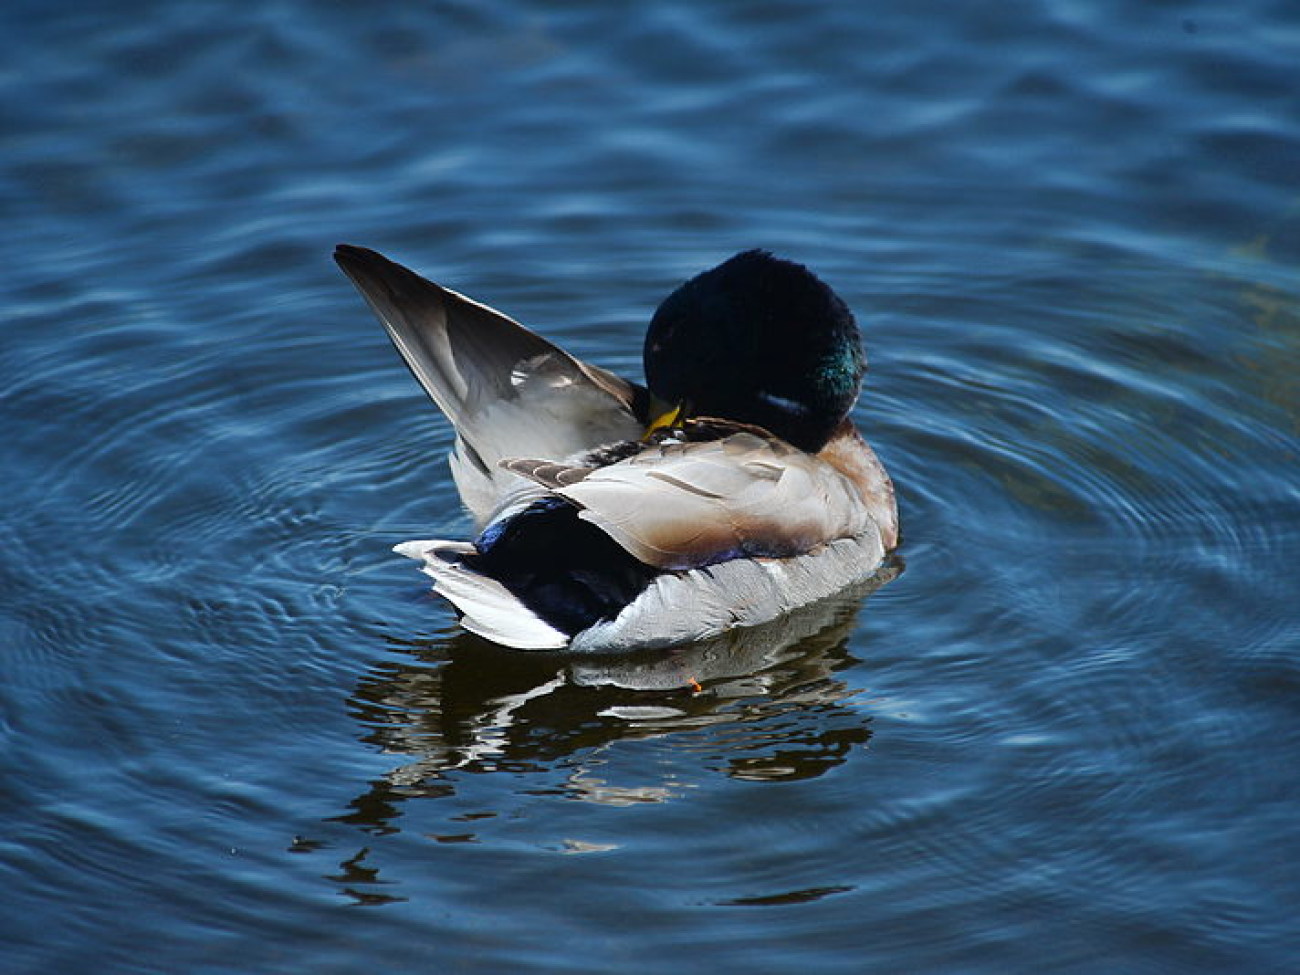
765, 704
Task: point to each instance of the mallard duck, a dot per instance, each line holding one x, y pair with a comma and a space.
729, 490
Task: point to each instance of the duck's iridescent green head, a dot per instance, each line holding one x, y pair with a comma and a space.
760, 340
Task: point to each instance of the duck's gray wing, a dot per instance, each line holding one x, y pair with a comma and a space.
682, 506
507, 391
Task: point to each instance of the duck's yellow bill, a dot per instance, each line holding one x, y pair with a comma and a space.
672, 417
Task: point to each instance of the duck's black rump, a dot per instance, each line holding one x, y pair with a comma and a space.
566, 570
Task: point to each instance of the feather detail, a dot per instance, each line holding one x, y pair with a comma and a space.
853, 457
507, 391
679, 506
547, 473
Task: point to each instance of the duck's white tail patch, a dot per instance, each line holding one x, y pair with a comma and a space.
487, 607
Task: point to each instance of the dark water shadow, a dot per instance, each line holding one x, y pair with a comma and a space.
462, 705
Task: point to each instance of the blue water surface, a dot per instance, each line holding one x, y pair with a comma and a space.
240, 736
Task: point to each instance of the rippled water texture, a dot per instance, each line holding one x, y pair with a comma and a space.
238, 734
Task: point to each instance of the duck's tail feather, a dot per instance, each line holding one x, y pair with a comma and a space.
507, 391
488, 608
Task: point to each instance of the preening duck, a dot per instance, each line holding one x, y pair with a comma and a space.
729, 490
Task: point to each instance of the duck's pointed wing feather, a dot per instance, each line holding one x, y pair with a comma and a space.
679, 506
507, 391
